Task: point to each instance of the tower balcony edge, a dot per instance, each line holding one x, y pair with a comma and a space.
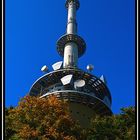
51, 82
93, 102
63, 40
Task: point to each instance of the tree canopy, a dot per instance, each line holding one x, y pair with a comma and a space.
115, 127
50, 119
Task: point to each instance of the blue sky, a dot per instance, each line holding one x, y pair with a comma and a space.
33, 27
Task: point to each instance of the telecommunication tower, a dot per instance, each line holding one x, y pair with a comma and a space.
86, 94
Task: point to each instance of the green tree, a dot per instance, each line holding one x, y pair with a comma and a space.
115, 127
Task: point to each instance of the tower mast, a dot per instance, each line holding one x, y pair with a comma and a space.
71, 46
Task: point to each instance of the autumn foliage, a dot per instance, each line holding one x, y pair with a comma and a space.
50, 119
41, 119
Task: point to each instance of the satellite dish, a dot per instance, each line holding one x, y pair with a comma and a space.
44, 68
79, 83
67, 80
90, 67
57, 65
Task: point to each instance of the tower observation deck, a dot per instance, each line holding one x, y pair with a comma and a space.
86, 94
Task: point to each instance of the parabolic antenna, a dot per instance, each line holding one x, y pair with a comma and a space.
90, 67
44, 68
67, 80
79, 83
57, 65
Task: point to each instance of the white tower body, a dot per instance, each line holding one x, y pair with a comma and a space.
70, 55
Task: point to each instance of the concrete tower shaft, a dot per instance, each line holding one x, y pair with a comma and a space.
70, 55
